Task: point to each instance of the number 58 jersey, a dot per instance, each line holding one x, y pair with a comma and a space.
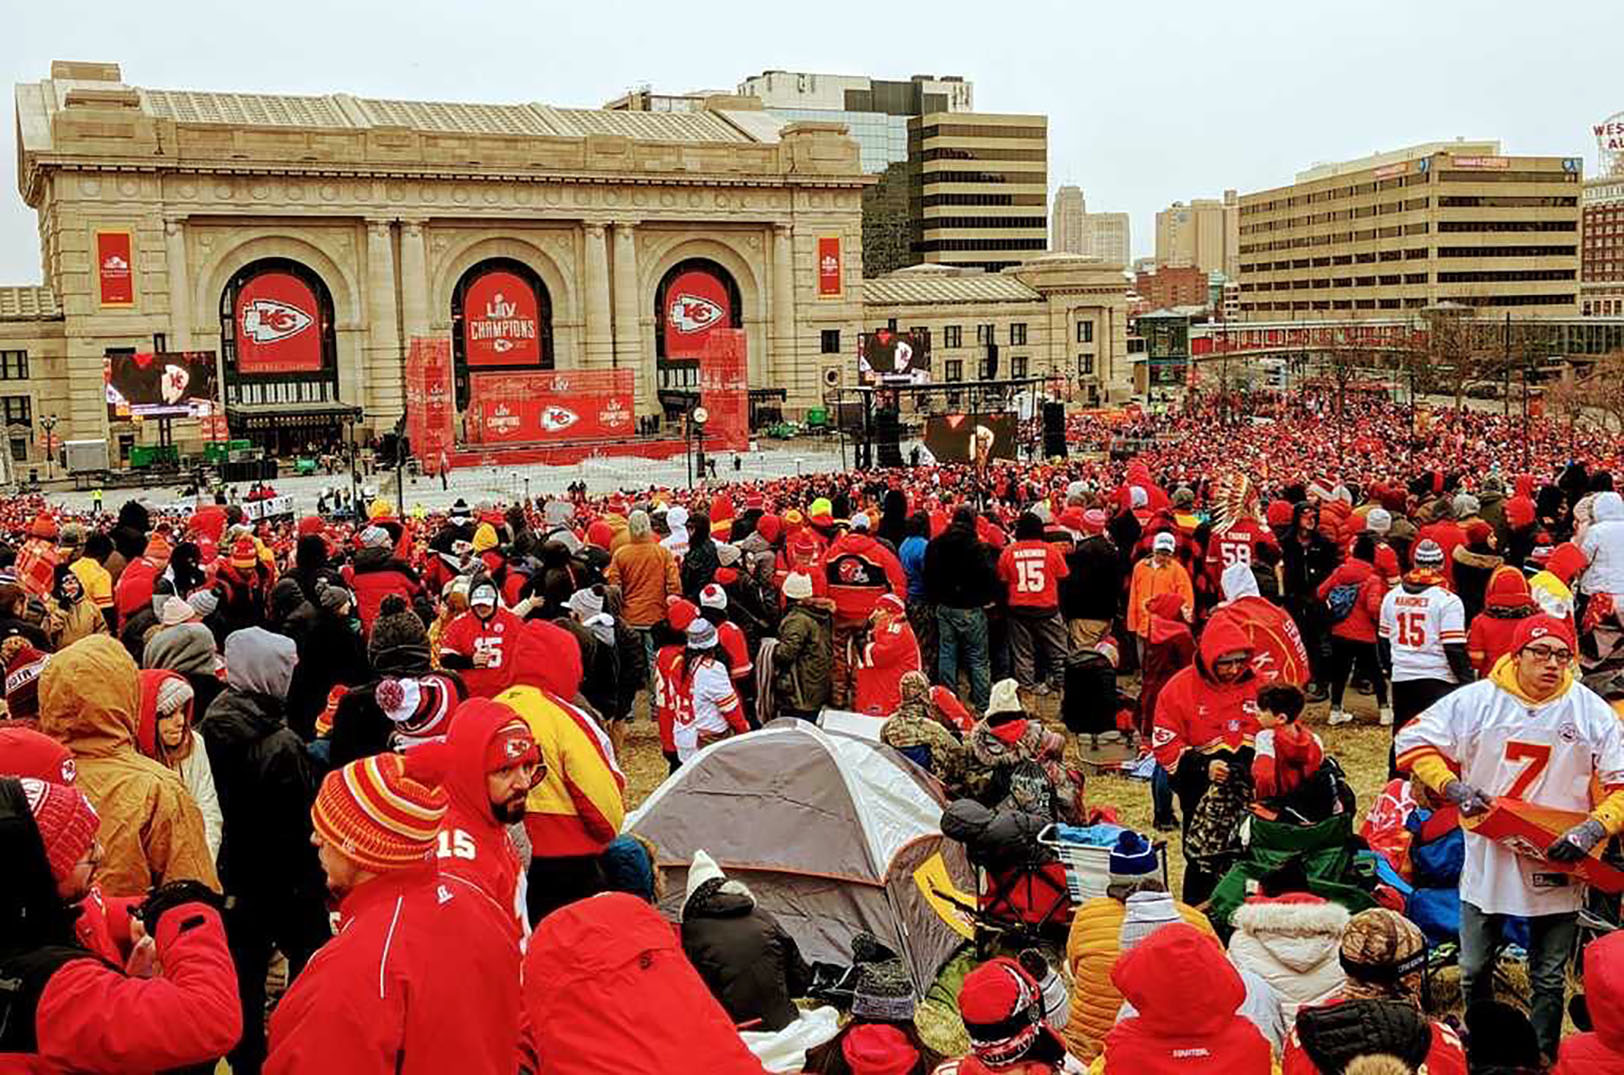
1542, 754
1418, 626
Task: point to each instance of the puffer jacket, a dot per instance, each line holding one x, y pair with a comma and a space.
1326, 1039
1293, 943
1603, 546
262, 773
750, 964
1092, 948
151, 830
1599, 1051
804, 657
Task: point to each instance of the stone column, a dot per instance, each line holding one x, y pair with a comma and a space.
628, 323
781, 371
414, 280
599, 350
379, 386
180, 290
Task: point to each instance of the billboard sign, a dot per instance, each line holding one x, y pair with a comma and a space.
552, 405
889, 357
501, 321
724, 389
429, 406
977, 439
115, 268
696, 302
279, 327
175, 384
1610, 144
829, 267
1490, 163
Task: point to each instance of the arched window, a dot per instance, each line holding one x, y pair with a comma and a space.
694, 296
501, 319
276, 335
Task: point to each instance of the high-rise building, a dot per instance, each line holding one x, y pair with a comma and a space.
1200, 235
1601, 272
979, 187
1453, 222
1106, 236
1066, 234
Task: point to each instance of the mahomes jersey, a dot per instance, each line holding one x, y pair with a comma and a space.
1418, 626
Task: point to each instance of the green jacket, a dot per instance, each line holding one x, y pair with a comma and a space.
803, 663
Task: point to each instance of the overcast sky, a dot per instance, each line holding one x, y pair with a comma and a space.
1147, 103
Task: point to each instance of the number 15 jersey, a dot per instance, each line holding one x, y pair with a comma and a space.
1418, 626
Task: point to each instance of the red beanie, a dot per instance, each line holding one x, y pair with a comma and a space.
878, 1049
680, 613
380, 813
600, 534
1519, 512
769, 527
244, 556
1279, 513
1478, 532
1387, 561
1002, 1009
310, 524
43, 527
66, 821
1566, 561
25, 752
1534, 628
1507, 589
22, 682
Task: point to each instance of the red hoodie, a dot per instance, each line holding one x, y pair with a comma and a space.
1359, 625
1170, 649
1186, 993
1196, 712
1601, 1050
859, 570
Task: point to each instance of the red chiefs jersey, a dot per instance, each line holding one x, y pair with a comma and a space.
736, 648
1236, 545
468, 635
1032, 570
672, 704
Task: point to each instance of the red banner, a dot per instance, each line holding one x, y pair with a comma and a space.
724, 389
696, 303
279, 326
430, 408
829, 267
555, 405
501, 321
115, 268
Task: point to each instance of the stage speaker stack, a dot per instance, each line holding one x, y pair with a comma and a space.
887, 431
1054, 430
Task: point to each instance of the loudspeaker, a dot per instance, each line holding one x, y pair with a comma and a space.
887, 430
1054, 430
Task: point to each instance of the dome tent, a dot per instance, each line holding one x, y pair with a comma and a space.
827, 829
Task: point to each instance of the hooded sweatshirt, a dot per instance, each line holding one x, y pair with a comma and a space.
1196, 712
1278, 653
151, 829
191, 760
1603, 546
1187, 995
1599, 1051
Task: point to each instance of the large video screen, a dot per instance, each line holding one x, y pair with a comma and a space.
965, 438
173, 384
887, 357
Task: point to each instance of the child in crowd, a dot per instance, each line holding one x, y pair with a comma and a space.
1288, 754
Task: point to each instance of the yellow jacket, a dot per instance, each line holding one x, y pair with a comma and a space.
1092, 948
577, 807
1150, 582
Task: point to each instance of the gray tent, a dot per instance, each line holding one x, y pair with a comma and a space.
826, 828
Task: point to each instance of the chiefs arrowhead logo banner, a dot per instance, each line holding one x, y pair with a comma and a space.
114, 273
549, 406
696, 301
829, 268
501, 321
278, 326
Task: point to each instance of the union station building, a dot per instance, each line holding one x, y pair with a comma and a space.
301, 247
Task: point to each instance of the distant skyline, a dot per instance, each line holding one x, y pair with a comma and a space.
1145, 106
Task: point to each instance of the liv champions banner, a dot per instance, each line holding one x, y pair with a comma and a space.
551, 405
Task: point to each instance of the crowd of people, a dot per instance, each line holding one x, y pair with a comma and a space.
348, 794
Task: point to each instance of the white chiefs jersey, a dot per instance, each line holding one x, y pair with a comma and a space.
1417, 626
1544, 755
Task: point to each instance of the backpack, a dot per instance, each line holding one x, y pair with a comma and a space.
1342, 600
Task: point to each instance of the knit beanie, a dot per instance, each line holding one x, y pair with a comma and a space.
173, 693
627, 867
204, 602
396, 627
884, 993
43, 526
770, 526
66, 822
1429, 554
333, 597
374, 537
1144, 913
26, 752
244, 556
586, 603
712, 596
702, 869
679, 613
701, 634
878, 1049
1002, 1009
484, 537
421, 707
1380, 950
379, 813
797, 586
23, 667
1132, 859
1378, 520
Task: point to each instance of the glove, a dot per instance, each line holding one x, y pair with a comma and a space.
1576, 843
167, 897
1471, 801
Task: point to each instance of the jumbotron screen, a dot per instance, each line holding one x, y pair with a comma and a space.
887, 357
173, 384
971, 438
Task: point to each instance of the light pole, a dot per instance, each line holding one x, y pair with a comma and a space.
696, 421
49, 422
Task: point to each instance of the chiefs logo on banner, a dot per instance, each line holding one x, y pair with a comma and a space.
695, 303
829, 275
724, 389
514, 408
278, 325
114, 269
501, 321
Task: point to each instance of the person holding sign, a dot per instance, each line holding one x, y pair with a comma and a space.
1531, 733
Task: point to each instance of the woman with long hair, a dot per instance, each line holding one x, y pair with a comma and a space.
701, 678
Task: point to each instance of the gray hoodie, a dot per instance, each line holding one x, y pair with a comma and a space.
187, 648
259, 662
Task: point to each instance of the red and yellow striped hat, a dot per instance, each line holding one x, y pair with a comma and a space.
380, 812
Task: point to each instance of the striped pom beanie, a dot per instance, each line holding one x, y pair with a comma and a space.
380, 813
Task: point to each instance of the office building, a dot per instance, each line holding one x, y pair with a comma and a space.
1074, 230
1454, 222
1106, 236
1200, 235
1170, 286
1066, 223
1601, 284
978, 188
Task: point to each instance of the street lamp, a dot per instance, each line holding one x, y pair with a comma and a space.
696, 422
49, 422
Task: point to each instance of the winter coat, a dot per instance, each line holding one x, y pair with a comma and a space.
589, 973
1196, 712
360, 727
1294, 944
1150, 582
193, 765
578, 806
911, 555
1326, 1039
330, 653
265, 779
859, 570
1359, 625
188, 648
958, 571
882, 654
1472, 569
419, 980
1599, 1051
1187, 995
804, 657
376, 574
750, 964
151, 830
1304, 567
1169, 649
1092, 948
1093, 589
1603, 546
646, 573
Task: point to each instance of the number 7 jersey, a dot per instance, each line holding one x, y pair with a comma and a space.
1418, 626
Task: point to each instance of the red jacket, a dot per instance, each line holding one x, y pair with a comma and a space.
858, 570
1278, 652
1195, 712
374, 576
890, 650
589, 976
1601, 1050
418, 980
1186, 993
134, 589
92, 1018
1360, 624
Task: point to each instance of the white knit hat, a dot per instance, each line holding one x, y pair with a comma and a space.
712, 596
798, 586
1144, 914
1004, 698
1379, 520
701, 870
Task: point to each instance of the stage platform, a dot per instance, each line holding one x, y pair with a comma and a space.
564, 453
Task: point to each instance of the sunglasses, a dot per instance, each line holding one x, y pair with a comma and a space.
1549, 653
